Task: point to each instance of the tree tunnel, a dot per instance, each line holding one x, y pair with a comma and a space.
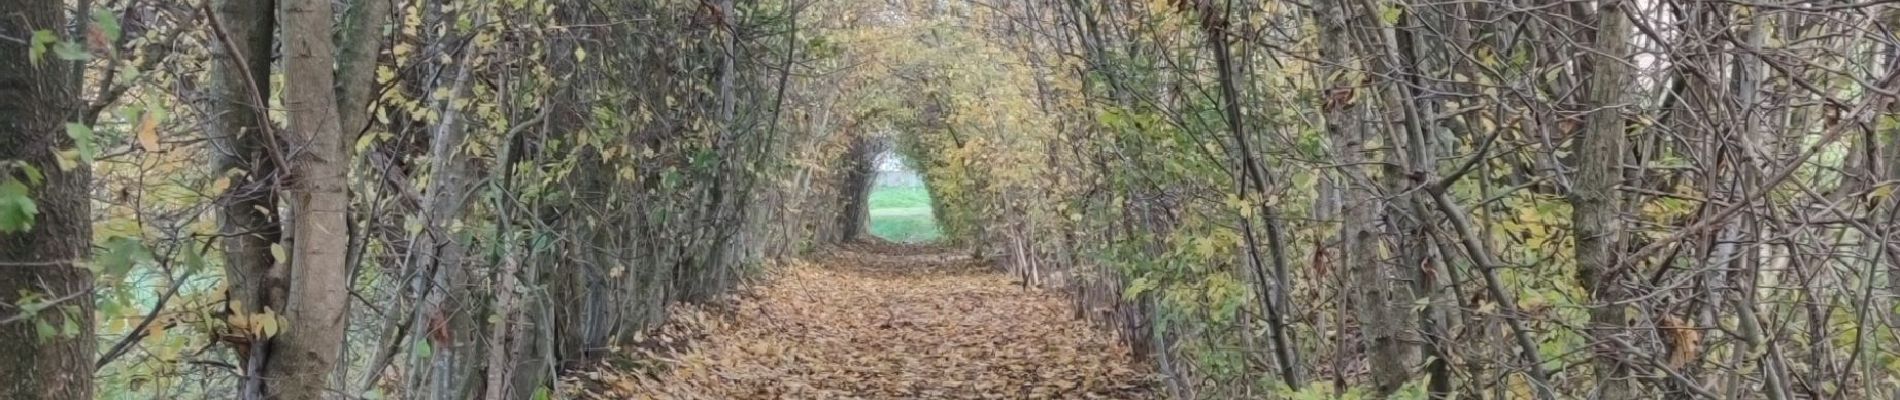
440, 200
899, 203
883, 196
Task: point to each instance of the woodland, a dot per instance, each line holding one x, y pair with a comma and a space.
1121, 199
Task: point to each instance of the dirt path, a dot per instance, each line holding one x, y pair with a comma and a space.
882, 322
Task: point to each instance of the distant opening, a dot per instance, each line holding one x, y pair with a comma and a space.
900, 204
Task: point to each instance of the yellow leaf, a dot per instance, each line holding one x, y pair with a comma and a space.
147, 131
1205, 248
67, 159
386, 74
1240, 205
267, 323
239, 322
155, 332
218, 186
1883, 191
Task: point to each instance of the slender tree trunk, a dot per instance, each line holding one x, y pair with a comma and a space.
1388, 291
577, 311
860, 168
42, 258
508, 338
303, 355
1253, 183
1383, 302
1891, 161
358, 40
1893, 214
449, 310
241, 151
1599, 150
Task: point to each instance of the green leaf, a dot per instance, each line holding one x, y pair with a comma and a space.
106, 23
33, 174
670, 178
16, 208
1136, 288
121, 254
703, 159
1391, 14
41, 40
192, 259
44, 330
542, 393
422, 349
82, 140
70, 327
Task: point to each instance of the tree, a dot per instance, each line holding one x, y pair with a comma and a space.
1382, 299
46, 305
245, 155
860, 169
1599, 162
303, 355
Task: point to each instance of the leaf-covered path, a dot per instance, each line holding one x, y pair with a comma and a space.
878, 322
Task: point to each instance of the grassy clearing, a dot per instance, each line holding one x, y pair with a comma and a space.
902, 214
899, 197
906, 229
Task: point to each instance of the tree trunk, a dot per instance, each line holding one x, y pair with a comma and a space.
1599, 156
1382, 299
860, 168
1252, 182
40, 257
241, 151
438, 250
304, 353
359, 39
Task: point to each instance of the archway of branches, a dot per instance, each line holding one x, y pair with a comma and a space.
953, 104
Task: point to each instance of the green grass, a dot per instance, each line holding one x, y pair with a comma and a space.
906, 229
902, 214
899, 197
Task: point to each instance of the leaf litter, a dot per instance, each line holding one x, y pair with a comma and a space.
873, 321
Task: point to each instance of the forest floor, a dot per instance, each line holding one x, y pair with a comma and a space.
875, 321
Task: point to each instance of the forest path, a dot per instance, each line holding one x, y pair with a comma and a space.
880, 322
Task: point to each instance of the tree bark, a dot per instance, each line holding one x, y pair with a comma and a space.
1253, 182
359, 39
241, 151
860, 168
1381, 293
303, 355
438, 250
1599, 153
43, 259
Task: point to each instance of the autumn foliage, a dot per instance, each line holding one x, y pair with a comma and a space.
1194, 199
